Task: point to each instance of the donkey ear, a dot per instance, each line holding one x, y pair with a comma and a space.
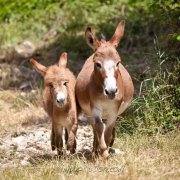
63, 60
118, 34
91, 39
39, 67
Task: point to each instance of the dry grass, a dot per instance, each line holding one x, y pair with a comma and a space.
18, 109
146, 157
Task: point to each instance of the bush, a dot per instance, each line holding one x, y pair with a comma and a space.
157, 108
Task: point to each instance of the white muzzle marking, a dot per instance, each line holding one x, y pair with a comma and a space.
110, 87
60, 98
110, 83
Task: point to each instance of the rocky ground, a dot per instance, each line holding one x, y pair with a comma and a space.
19, 150
31, 143
34, 143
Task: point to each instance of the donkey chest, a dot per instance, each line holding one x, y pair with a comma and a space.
62, 117
108, 108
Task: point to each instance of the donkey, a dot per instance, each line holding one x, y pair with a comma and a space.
59, 101
104, 88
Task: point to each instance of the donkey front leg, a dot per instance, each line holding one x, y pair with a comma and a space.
72, 115
66, 136
110, 135
100, 129
71, 145
58, 138
72, 128
113, 137
110, 131
53, 144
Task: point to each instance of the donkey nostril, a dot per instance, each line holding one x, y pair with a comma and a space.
60, 100
106, 92
116, 90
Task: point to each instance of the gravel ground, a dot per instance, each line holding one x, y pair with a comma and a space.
34, 142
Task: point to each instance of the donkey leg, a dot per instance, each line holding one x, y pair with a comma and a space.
53, 145
58, 139
66, 136
71, 144
95, 143
100, 129
109, 135
113, 137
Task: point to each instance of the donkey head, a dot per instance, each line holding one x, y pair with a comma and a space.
106, 60
55, 79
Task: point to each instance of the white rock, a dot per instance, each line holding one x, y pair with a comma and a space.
24, 162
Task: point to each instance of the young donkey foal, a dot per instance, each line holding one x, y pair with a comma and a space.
59, 101
104, 88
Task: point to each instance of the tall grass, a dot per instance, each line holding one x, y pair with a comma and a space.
157, 107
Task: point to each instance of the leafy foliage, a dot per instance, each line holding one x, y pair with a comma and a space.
156, 107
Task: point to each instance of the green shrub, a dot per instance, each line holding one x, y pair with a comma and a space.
157, 108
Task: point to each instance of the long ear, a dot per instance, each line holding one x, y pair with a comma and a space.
39, 67
91, 39
63, 60
118, 34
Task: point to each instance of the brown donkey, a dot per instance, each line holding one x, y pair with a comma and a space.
59, 101
104, 88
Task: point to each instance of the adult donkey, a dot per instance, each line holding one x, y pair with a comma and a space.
104, 88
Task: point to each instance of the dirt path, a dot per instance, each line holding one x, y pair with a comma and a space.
25, 132
33, 142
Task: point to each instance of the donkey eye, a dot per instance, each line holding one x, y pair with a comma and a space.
65, 83
118, 63
98, 65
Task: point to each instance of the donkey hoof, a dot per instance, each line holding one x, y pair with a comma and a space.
59, 152
116, 151
53, 147
105, 154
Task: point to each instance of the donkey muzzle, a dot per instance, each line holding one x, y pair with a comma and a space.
111, 93
60, 99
